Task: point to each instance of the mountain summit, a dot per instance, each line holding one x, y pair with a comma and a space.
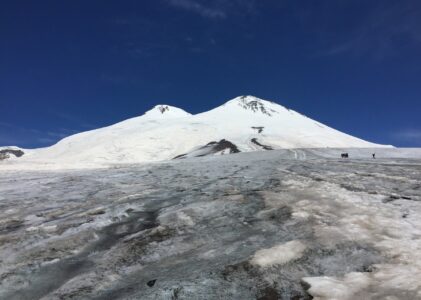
243, 124
166, 111
255, 105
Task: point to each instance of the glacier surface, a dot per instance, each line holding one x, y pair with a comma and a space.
282, 224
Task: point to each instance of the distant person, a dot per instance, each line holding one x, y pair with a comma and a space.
374, 155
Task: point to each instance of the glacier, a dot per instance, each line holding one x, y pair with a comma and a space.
281, 224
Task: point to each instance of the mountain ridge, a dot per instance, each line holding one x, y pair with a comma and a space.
245, 123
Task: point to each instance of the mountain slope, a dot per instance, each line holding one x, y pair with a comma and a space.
165, 132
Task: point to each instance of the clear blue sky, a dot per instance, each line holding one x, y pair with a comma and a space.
71, 66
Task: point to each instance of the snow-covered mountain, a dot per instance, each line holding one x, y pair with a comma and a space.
242, 124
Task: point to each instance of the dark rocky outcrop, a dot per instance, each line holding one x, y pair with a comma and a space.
256, 106
5, 153
254, 141
211, 148
258, 128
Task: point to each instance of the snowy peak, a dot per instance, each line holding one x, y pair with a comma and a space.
163, 108
255, 105
166, 111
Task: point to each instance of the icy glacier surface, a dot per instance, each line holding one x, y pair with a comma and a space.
284, 224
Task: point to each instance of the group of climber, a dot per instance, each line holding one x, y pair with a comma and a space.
346, 155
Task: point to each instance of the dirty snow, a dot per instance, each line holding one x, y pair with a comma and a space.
279, 254
281, 224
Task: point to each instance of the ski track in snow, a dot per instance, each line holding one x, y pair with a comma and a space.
262, 225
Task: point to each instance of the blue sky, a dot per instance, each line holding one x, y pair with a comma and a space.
71, 66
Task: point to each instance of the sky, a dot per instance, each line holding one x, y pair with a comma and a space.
72, 66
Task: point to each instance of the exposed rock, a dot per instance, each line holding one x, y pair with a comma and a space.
210, 149
151, 283
254, 141
5, 153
